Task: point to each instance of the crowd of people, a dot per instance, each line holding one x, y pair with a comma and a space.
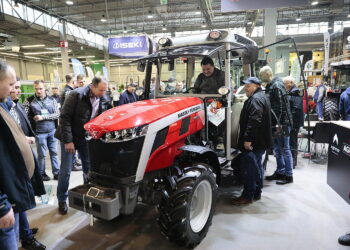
271, 119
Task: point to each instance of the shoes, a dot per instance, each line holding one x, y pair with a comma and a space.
241, 201
45, 177
32, 244
257, 197
275, 176
344, 239
62, 207
55, 177
287, 179
77, 168
34, 230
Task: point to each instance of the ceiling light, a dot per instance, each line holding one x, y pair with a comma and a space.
298, 19
16, 5
125, 31
33, 46
103, 19
69, 2
198, 12
250, 22
7, 54
150, 16
85, 56
313, 3
349, 15
204, 25
164, 28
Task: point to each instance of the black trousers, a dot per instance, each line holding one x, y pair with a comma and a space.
294, 144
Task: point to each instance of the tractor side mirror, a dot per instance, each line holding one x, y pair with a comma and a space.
171, 65
250, 54
141, 65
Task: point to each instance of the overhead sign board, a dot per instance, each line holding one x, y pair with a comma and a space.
128, 46
242, 5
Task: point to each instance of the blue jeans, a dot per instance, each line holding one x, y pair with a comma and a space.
319, 109
25, 232
9, 236
283, 155
44, 141
66, 168
253, 173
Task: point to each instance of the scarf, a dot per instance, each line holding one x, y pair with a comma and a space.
21, 141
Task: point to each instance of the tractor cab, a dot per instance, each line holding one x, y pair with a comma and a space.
178, 64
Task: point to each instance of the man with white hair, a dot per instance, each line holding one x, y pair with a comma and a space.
281, 120
296, 108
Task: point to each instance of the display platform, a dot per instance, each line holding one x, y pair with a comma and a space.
338, 172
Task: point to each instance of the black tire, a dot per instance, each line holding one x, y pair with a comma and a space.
330, 109
175, 207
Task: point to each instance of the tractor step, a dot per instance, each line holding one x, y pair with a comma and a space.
104, 203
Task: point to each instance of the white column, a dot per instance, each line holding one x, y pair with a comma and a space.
270, 30
64, 51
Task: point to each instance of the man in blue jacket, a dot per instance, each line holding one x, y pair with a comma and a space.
17, 166
344, 105
128, 96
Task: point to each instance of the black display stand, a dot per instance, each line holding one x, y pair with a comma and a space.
338, 173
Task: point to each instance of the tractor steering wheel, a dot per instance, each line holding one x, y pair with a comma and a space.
188, 90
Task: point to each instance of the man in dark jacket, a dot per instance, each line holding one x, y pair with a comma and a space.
211, 78
128, 96
17, 111
17, 166
255, 138
281, 120
80, 106
43, 112
344, 105
296, 108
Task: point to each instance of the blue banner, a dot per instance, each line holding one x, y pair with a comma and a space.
78, 67
128, 46
241, 5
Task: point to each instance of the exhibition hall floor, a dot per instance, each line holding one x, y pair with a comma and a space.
307, 214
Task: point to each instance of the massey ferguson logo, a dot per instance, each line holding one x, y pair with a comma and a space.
188, 111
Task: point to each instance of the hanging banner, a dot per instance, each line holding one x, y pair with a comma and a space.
326, 37
241, 5
78, 67
296, 69
128, 46
105, 73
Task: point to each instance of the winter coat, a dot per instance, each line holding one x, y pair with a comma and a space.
36, 180
16, 190
296, 107
66, 90
344, 105
127, 97
255, 122
35, 106
76, 111
210, 85
280, 107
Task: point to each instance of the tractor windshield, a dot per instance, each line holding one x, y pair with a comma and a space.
179, 76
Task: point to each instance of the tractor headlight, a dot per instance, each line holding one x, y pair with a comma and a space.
125, 134
223, 91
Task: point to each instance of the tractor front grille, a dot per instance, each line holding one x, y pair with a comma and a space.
115, 160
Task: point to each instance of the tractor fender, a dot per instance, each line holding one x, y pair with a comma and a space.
208, 154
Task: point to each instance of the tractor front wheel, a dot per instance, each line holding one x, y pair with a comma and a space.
186, 209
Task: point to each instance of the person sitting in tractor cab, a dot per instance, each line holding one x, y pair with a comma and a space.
170, 87
344, 105
211, 78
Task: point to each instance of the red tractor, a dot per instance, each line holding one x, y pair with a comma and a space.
158, 151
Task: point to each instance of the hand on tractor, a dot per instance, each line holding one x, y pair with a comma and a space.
69, 147
248, 145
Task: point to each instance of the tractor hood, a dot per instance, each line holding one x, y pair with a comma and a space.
137, 114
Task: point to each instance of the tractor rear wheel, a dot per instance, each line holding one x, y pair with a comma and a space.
186, 209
